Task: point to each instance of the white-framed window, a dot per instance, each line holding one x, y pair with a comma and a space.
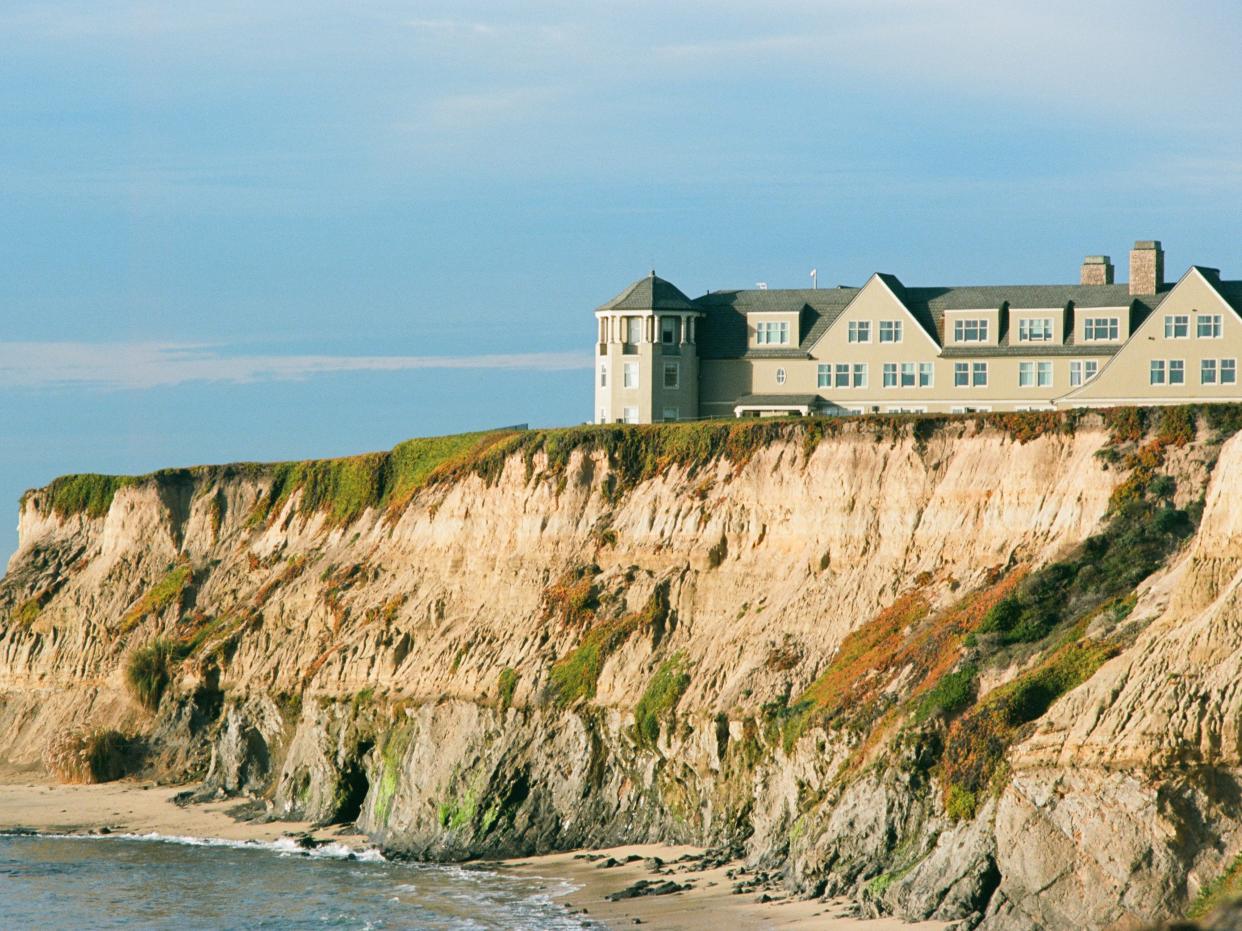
823, 375
979, 374
925, 374
772, 333
907, 375
890, 374
668, 330
860, 374
672, 376
970, 331
671, 413
890, 331
629, 375
1095, 329
969, 410
630, 414
1208, 326
1176, 326
780, 376
603, 416
1082, 371
603, 374
961, 374
905, 410
1035, 330
859, 331
1026, 374
1157, 373
1043, 374
1207, 372
633, 330
842, 379
1228, 371
1177, 371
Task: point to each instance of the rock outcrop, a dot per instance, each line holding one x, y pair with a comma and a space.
781, 640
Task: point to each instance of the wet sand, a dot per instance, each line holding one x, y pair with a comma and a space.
708, 902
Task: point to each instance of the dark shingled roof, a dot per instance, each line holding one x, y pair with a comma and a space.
650, 293
722, 331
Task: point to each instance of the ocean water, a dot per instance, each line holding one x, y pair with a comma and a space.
152, 882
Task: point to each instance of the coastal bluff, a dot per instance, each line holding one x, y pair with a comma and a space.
975, 668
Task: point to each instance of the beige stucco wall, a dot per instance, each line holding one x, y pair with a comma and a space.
1126, 378
711, 388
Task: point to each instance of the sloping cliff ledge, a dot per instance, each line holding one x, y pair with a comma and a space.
979, 668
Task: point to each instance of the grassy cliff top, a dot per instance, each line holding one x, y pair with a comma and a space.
344, 488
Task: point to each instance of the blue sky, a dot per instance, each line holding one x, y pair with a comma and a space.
272, 229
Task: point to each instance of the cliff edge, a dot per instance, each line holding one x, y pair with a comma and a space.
977, 668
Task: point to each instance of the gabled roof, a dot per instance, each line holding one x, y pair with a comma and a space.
650, 293
722, 332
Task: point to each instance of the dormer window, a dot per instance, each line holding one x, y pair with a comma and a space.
1035, 330
1096, 329
775, 333
970, 331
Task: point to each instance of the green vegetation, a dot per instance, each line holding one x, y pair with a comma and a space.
1143, 531
392, 753
660, 697
976, 743
100, 755
575, 675
345, 488
454, 816
506, 685
168, 590
1226, 886
148, 673
953, 693
573, 598
87, 494
26, 613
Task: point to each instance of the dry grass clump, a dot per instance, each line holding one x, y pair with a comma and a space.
86, 756
148, 672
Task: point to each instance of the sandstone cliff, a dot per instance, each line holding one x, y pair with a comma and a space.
969, 668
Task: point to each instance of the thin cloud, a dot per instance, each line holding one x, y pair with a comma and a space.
161, 365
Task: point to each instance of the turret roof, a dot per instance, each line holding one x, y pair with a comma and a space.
650, 293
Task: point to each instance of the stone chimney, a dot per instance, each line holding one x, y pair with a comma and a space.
1096, 269
1146, 267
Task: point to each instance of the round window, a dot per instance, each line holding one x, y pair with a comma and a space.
780, 376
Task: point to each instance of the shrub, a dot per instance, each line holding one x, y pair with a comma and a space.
167, 591
976, 743
573, 598
953, 693
575, 675
506, 685
85, 494
1138, 538
660, 697
147, 673
89, 756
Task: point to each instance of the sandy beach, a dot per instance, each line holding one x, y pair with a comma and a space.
705, 899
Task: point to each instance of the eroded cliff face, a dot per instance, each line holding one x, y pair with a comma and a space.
539, 655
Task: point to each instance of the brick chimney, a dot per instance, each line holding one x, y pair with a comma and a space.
1096, 269
1146, 267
